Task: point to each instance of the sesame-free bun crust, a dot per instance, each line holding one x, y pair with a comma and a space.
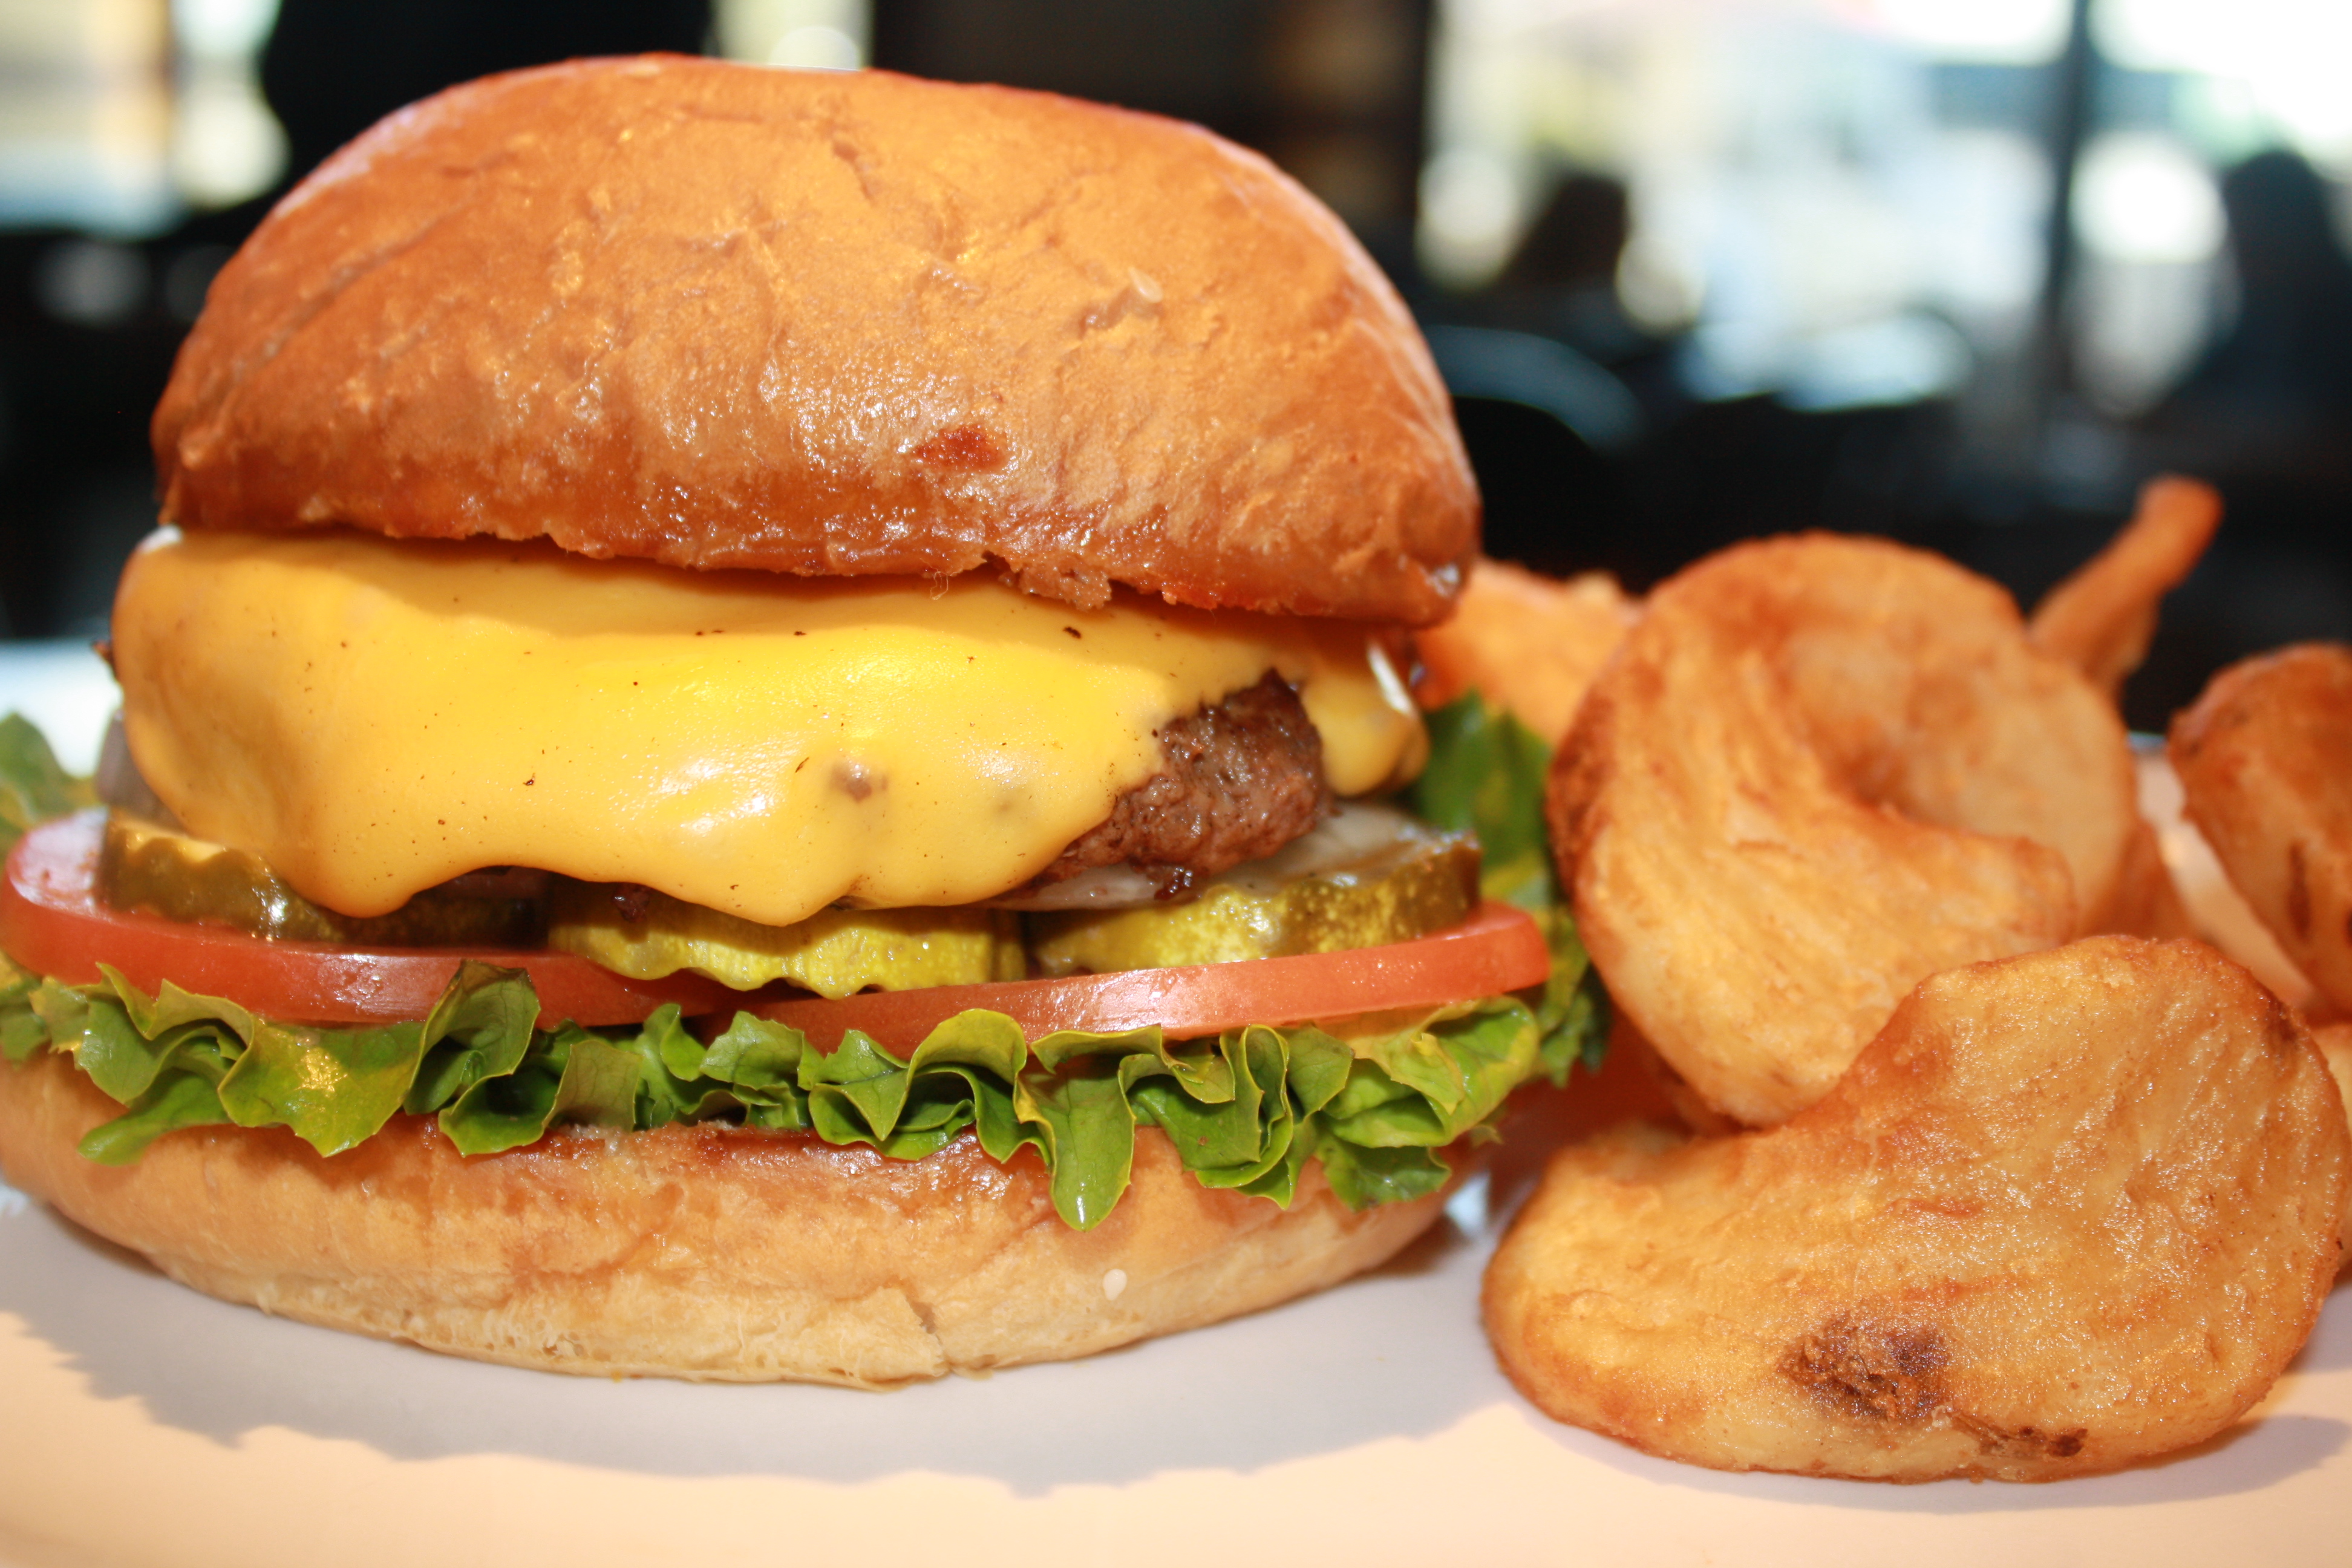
832, 324
700, 1252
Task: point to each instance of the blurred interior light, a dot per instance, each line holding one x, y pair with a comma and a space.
91, 282
1894, 359
2009, 32
225, 145
2290, 55
820, 35
1984, 245
816, 48
1469, 214
2140, 197
1658, 286
1899, 360
223, 30
2136, 328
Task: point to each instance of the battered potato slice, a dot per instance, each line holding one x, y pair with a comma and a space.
2069, 1211
2100, 620
1819, 770
2266, 758
1529, 643
2334, 1042
2146, 901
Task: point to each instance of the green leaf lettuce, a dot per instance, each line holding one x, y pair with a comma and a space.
1245, 1110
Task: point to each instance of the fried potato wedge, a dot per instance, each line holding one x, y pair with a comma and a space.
2146, 901
2101, 619
2265, 759
2069, 1211
2334, 1042
1819, 770
1529, 643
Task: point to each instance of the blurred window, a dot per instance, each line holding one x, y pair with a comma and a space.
1836, 200
1847, 201
85, 114
118, 116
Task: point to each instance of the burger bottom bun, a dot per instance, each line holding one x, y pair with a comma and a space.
705, 1252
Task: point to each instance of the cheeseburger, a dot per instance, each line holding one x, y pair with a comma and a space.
753, 749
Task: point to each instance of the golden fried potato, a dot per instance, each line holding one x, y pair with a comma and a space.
2070, 1210
1819, 770
2146, 901
2100, 619
2265, 759
1528, 643
2334, 1042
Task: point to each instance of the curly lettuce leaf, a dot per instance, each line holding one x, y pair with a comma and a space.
1573, 1009
1487, 774
33, 787
21, 1030
1245, 1110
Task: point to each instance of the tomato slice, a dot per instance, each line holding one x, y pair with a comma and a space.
1499, 948
51, 922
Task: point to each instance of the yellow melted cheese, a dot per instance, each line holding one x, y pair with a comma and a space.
372, 718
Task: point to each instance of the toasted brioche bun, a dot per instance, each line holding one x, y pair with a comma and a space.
702, 1252
830, 324
824, 324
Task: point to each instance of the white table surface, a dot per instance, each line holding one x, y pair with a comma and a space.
141, 1423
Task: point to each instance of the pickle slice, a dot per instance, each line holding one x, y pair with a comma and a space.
1370, 877
150, 868
645, 935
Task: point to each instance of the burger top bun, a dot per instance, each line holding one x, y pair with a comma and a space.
832, 324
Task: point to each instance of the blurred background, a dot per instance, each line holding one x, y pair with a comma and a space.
1960, 272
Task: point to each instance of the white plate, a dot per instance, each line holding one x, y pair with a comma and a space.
143, 1424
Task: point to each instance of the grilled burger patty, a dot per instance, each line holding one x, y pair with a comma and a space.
1243, 778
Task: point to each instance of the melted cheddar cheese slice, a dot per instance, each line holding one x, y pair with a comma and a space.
372, 717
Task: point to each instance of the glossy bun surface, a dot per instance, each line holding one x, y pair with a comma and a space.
831, 324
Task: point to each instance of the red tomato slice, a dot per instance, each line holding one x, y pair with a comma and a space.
1499, 948
51, 922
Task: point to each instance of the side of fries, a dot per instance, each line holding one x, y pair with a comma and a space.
1861, 856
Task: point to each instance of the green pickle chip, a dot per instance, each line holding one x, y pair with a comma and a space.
146, 867
645, 935
1414, 881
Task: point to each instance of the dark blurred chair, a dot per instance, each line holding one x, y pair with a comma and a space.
1543, 426
1542, 373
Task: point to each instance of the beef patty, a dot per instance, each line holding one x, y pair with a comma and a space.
1241, 779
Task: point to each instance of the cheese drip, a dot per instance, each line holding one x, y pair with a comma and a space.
372, 717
